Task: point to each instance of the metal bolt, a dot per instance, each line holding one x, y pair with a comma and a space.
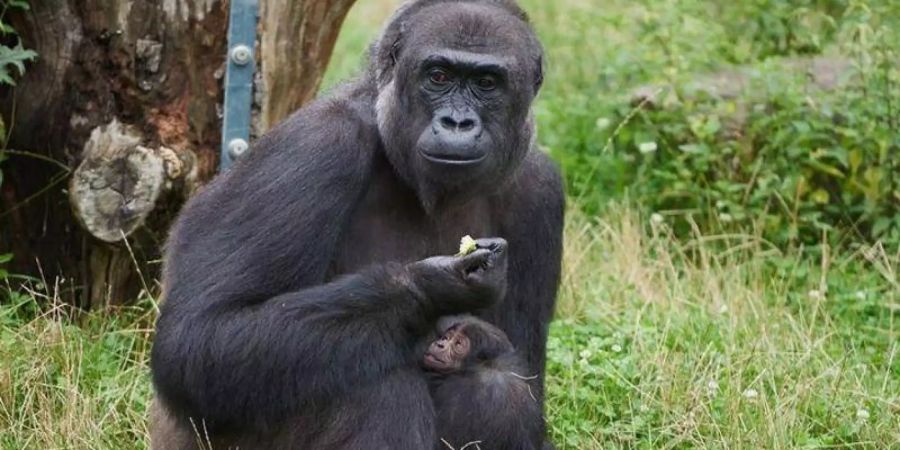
241, 55
237, 147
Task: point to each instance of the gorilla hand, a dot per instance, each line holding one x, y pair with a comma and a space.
455, 284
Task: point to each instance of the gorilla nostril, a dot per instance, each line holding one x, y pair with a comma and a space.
448, 123
466, 125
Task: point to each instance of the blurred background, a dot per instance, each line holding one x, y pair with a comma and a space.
732, 239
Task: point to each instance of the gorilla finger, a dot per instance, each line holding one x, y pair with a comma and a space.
495, 245
479, 259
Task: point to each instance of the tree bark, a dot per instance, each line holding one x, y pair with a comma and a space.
119, 121
295, 38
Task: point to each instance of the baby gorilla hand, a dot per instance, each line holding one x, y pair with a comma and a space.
455, 284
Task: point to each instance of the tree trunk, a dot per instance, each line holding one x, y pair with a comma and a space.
119, 121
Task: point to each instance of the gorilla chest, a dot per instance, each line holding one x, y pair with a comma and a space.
389, 225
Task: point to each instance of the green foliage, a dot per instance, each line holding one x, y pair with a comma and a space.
782, 159
13, 57
793, 168
766, 28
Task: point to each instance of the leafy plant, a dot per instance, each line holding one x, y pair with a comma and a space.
11, 57
778, 156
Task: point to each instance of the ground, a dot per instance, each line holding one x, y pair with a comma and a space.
661, 339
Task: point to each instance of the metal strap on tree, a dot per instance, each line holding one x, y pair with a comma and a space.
239, 80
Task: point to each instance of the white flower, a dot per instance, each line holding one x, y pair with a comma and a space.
751, 394
723, 309
861, 295
647, 147
603, 123
616, 348
712, 386
656, 218
814, 294
585, 354
862, 414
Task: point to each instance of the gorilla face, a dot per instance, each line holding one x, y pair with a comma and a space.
464, 341
454, 104
457, 89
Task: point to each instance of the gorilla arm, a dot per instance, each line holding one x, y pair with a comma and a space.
533, 225
247, 334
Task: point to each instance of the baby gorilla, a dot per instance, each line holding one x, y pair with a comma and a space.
480, 390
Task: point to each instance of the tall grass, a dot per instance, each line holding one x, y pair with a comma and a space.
720, 342
70, 380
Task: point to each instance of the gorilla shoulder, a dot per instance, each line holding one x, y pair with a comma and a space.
334, 132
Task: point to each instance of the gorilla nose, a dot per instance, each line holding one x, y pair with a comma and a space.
451, 124
459, 122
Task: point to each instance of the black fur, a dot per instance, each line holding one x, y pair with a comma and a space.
489, 400
298, 284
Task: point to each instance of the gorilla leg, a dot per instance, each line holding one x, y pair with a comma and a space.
394, 413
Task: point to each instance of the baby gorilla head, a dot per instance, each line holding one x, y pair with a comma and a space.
465, 342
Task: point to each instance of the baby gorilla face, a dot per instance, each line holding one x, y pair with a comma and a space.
448, 352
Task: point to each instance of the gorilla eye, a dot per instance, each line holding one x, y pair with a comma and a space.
486, 83
439, 77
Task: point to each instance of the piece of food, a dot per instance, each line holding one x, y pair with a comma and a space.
466, 245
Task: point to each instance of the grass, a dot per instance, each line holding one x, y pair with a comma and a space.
714, 340
71, 381
720, 342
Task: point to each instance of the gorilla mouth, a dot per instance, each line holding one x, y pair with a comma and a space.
453, 159
434, 360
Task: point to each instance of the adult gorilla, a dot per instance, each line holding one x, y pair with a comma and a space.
298, 284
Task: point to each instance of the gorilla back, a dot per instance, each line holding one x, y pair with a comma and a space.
298, 284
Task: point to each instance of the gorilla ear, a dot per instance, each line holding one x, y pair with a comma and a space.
386, 49
395, 48
384, 54
539, 76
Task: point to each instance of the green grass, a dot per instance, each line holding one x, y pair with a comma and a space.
660, 339
661, 342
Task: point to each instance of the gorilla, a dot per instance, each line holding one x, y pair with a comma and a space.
298, 286
479, 393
